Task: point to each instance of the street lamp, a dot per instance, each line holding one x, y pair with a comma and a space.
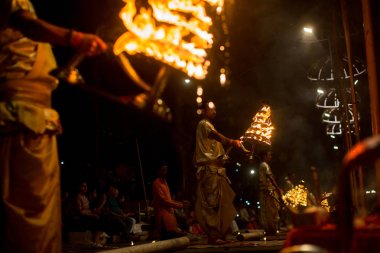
308, 30
337, 78
335, 96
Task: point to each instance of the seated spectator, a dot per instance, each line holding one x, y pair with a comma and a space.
125, 205
88, 219
243, 218
97, 201
119, 221
253, 222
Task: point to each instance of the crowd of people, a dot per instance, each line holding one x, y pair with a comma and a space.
109, 213
104, 213
214, 213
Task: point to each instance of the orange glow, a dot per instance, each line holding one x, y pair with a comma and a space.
296, 197
175, 32
261, 127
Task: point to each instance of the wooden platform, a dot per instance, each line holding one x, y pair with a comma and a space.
268, 244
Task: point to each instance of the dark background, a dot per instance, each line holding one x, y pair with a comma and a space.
268, 61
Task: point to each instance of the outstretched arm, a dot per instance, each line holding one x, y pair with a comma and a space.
40, 30
164, 197
223, 139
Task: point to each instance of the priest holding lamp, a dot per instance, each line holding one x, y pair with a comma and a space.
214, 207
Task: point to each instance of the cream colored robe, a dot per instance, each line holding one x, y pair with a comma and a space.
30, 213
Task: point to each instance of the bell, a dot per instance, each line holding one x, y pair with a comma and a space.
70, 73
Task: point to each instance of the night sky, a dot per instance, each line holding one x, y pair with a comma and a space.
268, 61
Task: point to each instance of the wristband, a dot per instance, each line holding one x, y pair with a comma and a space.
227, 141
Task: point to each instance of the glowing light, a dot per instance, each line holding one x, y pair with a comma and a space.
261, 128
296, 197
187, 80
308, 30
199, 111
336, 147
222, 79
221, 48
199, 100
219, 9
356, 82
199, 91
176, 32
320, 91
325, 204
252, 172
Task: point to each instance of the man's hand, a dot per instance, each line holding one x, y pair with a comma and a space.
235, 143
40, 30
86, 43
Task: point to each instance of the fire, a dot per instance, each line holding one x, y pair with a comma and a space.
325, 204
175, 32
261, 128
296, 197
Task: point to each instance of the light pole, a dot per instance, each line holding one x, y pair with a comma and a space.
334, 76
337, 77
372, 79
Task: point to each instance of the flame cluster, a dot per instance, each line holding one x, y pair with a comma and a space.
261, 126
296, 197
175, 32
325, 205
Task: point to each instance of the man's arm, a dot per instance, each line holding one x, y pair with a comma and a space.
277, 188
40, 30
164, 197
224, 140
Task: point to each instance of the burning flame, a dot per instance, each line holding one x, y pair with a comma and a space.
261, 127
175, 32
325, 204
296, 197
